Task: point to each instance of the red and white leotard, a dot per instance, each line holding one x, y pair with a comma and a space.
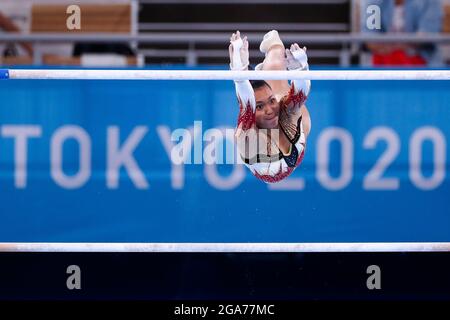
260, 153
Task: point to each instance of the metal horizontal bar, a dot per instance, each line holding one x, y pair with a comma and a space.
85, 74
227, 247
202, 37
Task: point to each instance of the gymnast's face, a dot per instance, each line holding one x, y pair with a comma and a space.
267, 108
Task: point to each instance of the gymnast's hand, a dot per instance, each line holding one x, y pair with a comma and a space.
238, 52
296, 58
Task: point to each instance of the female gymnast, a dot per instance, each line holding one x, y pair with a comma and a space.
273, 122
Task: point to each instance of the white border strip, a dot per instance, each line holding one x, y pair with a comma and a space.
226, 247
60, 74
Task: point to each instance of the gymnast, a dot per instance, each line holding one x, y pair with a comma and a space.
273, 122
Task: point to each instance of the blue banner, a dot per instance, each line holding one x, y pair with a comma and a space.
93, 161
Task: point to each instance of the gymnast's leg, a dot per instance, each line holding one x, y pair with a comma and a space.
275, 59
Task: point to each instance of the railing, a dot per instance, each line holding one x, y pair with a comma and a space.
192, 38
201, 37
254, 26
242, 1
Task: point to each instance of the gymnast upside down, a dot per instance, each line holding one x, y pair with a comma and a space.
273, 122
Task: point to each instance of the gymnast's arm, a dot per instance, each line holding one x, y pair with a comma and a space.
297, 60
239, 61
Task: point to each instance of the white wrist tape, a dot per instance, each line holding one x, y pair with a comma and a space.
302, 58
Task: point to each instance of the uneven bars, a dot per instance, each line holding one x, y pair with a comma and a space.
226, 247
85, 74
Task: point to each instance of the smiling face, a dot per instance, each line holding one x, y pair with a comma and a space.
267, 108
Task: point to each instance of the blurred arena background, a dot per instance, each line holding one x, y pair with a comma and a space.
88, 161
